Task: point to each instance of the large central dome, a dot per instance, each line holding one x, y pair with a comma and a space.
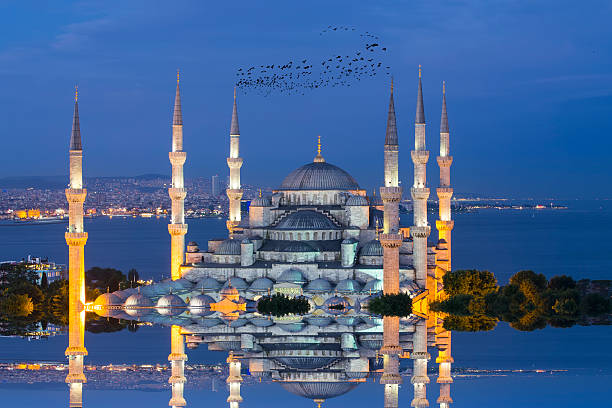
319, 176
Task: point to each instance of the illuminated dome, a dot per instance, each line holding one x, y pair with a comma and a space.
261, 202
372, 248
374, 285
200, 301
229, 247
319, 176
107, 299
319, 285
170, 305
348, 285
208, 284
292, 276
138, 300
306, 220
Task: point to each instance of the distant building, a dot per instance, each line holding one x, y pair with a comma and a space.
40, 266
215, 186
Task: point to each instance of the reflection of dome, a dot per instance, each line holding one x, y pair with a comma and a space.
348, 285
138, 300
357, 200
306, 220
319, 285
170, 305
200, 301
261, 322
292, 276
319, 390
208, 284
372, 248
261, 285
319, 321
107, 299
229, 247
319, 176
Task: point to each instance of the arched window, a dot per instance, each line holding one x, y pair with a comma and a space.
323, 235
299, 236
316, 236
307, 236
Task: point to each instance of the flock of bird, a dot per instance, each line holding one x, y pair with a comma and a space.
300, 75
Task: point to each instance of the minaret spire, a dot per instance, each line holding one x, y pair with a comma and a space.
177, 192
420, 110
76, 238
234, 162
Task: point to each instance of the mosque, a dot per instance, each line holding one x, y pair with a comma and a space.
319, 235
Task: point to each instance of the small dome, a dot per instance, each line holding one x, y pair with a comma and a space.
298, 246
261, 202
374, 285
237, 283
319, 285
261, 285
319, 176
261, 322
294, 327
319, 321
348, 320
108, 299
229, 247
348, 285
180, 285
126, 293
306, 220
372, 248
357, 200
208, 284
292, 276
170, 305
137, 300
200, 301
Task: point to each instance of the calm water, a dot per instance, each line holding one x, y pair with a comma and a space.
569, 242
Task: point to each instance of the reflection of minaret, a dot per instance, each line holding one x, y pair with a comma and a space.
420, 231
445, 226
177, 227
391, 240
177, 360
76, 239
234, 162
233, 380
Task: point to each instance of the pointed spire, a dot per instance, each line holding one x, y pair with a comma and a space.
234, 128
444, 117
178, 113
391, 136
420, 112
75, 136
318, 158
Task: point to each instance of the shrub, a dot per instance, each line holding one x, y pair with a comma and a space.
399, 305
280, 305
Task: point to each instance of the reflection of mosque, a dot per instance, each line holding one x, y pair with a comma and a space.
317, 236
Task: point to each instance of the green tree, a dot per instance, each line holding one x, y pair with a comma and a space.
104, 278
469, 282
15, 305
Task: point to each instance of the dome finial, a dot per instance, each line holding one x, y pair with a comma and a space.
319, 401
377, 230
177, 76
318, 158
76, 93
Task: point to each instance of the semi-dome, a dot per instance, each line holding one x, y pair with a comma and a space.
292, 276
137, 300
372, 248
306, 220
261, 202
319, 285
319, 176
357, 200
261, 285
208, 284
348, 285
319, 390
229, 247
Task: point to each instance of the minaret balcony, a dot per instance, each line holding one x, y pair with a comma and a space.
391, 194
391, 240
445, 161
391, 378
444, 193
444, 399
234, 162
177, 158
177, 379
76, 378
445, 225
76, 351
76, 195
420, 232
419, 193
420, 355
177, 193
76, 238
419, 156
177, 229
234, 194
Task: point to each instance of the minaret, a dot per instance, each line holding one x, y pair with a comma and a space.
444, 226
233, 380
177, 227
76, 238
391, 240
419, 232
177, 360
234, 162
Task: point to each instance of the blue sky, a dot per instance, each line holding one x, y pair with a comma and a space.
529, 89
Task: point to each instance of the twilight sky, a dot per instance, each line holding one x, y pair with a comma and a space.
529, 89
